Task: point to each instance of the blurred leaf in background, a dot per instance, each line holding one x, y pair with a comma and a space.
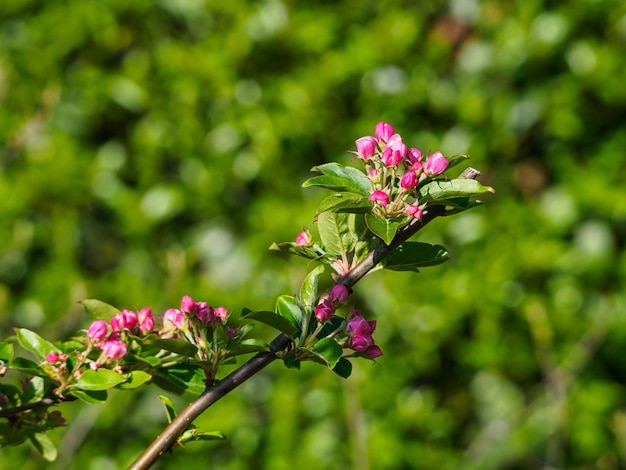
154, 149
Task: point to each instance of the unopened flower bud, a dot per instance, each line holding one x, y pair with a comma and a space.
414, 211
187, 305
409, 180
221, 313
339, 293
435, 164
379, 197
204, 312
52, 358
114, 348
383, 131
98, 330
303, 238
324, 310
366, 147
146, 320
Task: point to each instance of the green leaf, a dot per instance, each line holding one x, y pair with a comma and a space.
340, 178
99, 309
454, 160
207, 436
101, 379
344, 203
180, 378
272, 319
289, 308
329, 350
170, 409
35, 343
334, 230
343, 368
249, 346
308, 290
45, 446
6, 353
292, 248
178, 346
93, 397
134, 379
291, 361
385, 229
441, 192
412, 255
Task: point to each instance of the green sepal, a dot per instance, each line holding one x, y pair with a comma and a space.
340, 178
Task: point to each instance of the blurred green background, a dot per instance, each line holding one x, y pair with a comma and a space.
151, 149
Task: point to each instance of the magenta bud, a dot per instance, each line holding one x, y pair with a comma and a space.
366, 147
339, 293
324, 310
188, 305
98, 330
435, 164
379, 197
383, 131
409, 180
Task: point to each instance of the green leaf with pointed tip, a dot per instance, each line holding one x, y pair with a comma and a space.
170, 409
99, 309
93, 397
345, 203
208, 436
412, 255
335, 232
454, 160
100, 379
329, 350
180, 378
291, 361
249, 346
308, 290
385, 229
442, 192
289, 308
340, 178
45, 446
134, 379
178, 346
272, 319
343, 368
35, 343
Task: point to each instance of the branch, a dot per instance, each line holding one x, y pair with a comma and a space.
43, 403
164, 442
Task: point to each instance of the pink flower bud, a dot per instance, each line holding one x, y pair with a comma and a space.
324, 310
52, 358
221, 313
339, 293
146, 320
409, 180
366, 147
123, 319
379, 197
374, 175
303, 238
173, 319
361, 342
372, 352
435, 164
383, 131
360, 326
205, 313
415, 158
98, 330
94, 365
414, 211
188, 305
78, 373
114, 348
391, 157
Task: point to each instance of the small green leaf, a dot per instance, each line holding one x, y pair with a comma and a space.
329, 350
170, 409
180, 378
308, 290
99, 309
291, 361
101, 379
134, 379
178, 346
272, 319
289, 308
385, 229
412, 255
249, 346
292, 248
6, 352
335, 233
344, 203
93, 397
340, 178
454, 160
343, 368
209, 436
441, 192
35, 343
45, 446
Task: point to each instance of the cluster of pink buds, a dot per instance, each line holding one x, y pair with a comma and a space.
179, 320
395, 171
360, 331
329, 303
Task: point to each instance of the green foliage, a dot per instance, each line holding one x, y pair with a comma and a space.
149, 149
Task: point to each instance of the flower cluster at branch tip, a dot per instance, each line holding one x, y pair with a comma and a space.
328, 303
395, 171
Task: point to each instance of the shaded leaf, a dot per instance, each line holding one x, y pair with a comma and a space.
99, 309
343, 368
289, 308
281, 323
385, 229
170, 409
178, 346
45, 446
35, 343
93, 397
412, 255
